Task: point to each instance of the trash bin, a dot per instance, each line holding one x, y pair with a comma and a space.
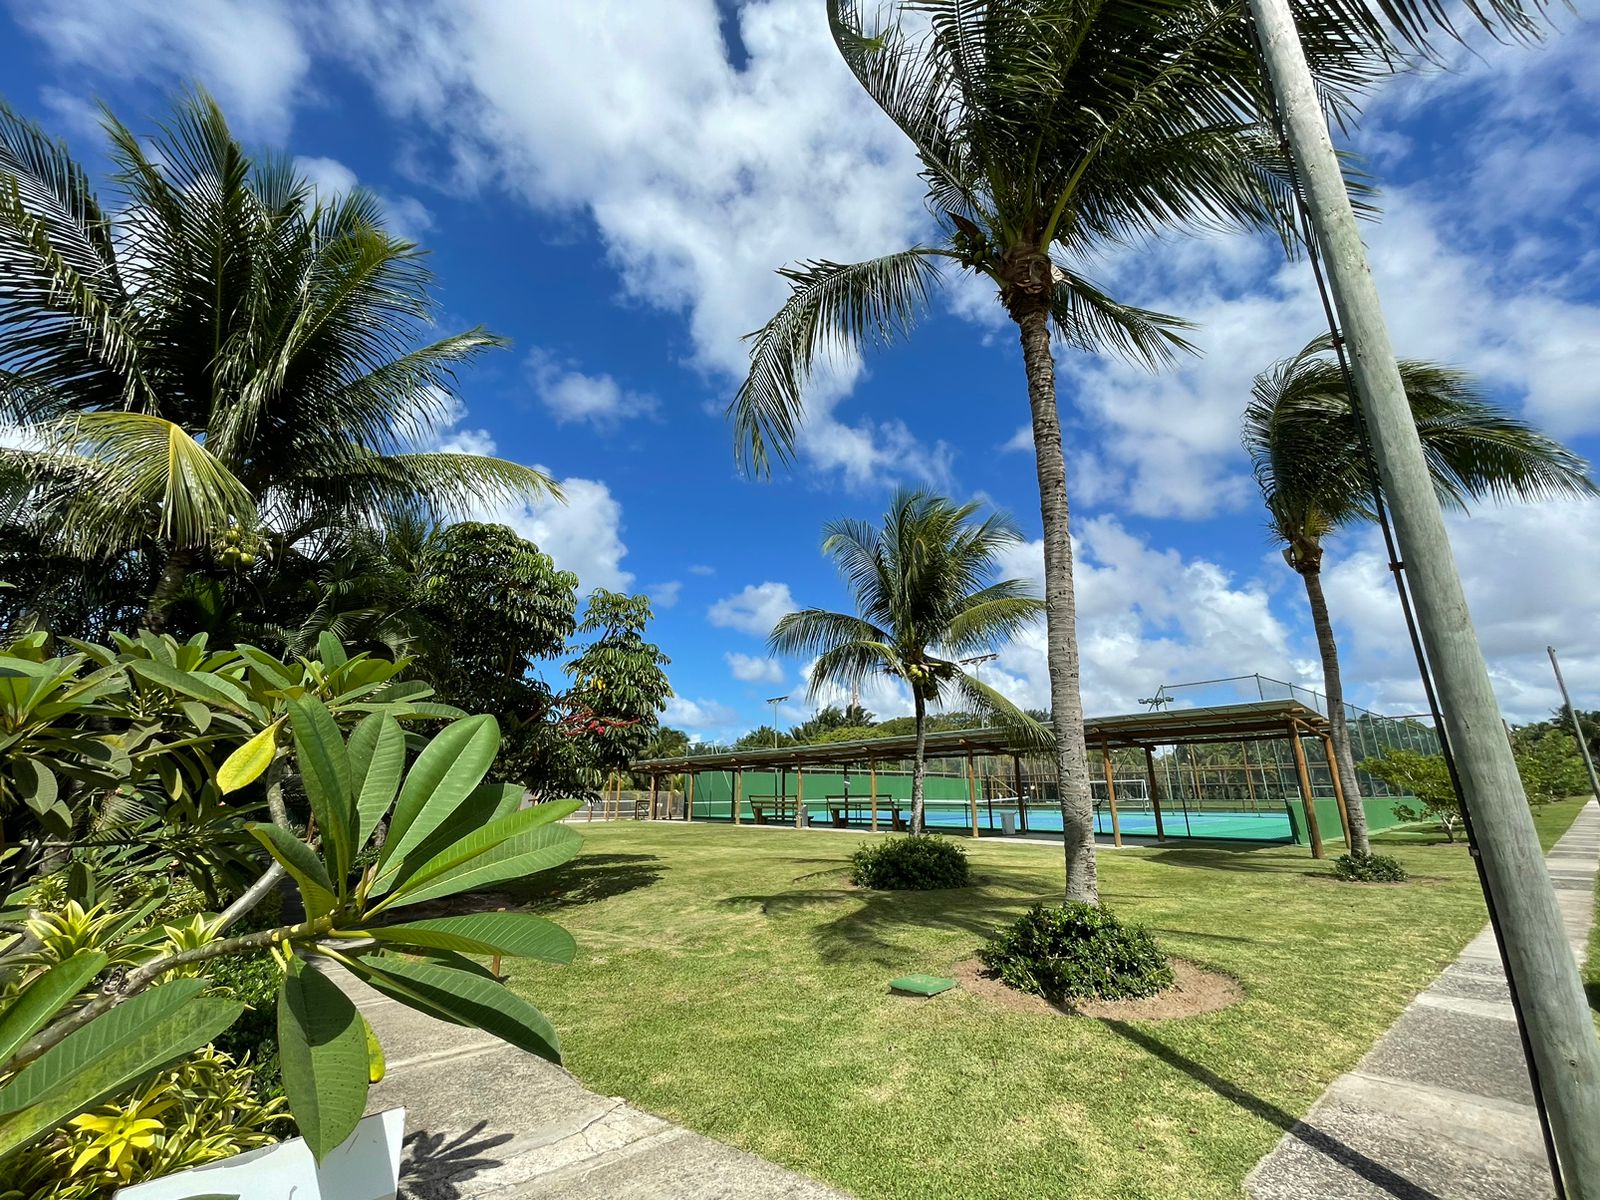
1008, 824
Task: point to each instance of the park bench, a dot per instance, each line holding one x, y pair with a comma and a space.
765, 810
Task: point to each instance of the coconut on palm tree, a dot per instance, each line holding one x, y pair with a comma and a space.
1304, 438
926, 596
217, 355
1046, 131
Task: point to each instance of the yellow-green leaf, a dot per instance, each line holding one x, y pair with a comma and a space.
250, 761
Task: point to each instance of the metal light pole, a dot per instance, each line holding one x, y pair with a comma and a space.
1577, 729
1559, 1027
775, 701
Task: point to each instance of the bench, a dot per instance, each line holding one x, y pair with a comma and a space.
765, 810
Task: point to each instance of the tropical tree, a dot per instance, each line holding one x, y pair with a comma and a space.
1304, 437
216, 354
925, 597
1046, 131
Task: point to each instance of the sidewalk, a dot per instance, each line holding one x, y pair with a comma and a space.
484, 1119
1440, 1108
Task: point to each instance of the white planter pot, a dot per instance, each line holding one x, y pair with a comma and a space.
366, 1167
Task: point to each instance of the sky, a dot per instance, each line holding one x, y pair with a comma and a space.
612, 186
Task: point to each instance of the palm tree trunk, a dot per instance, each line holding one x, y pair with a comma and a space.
173, 574
1338, 727
919, 763
1061, 612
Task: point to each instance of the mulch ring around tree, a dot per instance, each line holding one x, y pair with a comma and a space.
1194, 991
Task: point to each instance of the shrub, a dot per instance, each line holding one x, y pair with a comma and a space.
199, 1111
1368, 868
1076, 951
915, 862
254, 982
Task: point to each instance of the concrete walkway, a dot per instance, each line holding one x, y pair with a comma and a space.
484, 1119
1440, 1108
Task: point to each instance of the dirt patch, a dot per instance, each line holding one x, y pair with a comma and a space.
1194, 991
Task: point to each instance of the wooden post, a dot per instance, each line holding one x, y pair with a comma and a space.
1111, 796
655, 794
738, 793
1155, 793
1306, 798
799, 797
1022, 801
1249, 780
872, 767
688, 797
972, 794
1338, 787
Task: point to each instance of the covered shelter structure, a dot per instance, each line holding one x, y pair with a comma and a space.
1261, 771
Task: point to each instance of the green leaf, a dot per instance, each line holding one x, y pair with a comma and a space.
44, 997
37, 783
212, 689
488, 803
330, 650
304, 867
377, 752
463, 999
445, 773
525, 854
250, 761
325, 773
520, 935
478, 841
322, 1047
130, 1042
199, 714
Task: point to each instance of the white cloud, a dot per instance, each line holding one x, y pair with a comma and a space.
750, 668
664, 595
248, 53
701, 178
583, 535
572, 396
755, 610
698, 715
1145, 617
1531, 573
701, 569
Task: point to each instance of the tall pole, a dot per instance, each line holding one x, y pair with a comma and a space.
775, 701
1577, 729
1557, 1021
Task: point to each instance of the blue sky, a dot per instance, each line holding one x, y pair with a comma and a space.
612, 185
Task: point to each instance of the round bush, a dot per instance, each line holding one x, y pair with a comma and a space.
914, 862
1368, 868
1076, 951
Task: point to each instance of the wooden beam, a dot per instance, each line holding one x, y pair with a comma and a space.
1022, 801
655, 794
972, 794
1306, 798
688, 797
738, 794
872, 767
1155, 793
1249, 779
1111, 797
1338, 788
799, 797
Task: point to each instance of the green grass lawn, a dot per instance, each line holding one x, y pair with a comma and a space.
731, 980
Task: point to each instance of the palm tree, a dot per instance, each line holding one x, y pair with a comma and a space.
925, 597
220, 349
1047, 131
1305, 442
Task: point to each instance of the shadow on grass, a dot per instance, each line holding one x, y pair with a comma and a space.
446, 1165
1253, 859
586, 879
1391, 1182
858, 925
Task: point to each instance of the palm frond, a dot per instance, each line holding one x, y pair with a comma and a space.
1026, 732
832, 308
1087, 318
146, 477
